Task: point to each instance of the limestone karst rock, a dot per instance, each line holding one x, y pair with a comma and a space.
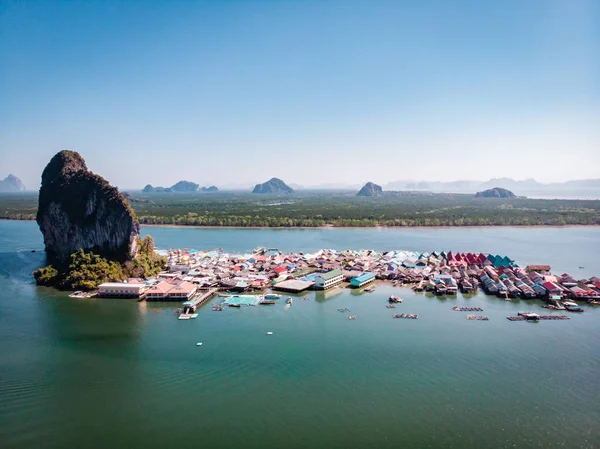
81, 210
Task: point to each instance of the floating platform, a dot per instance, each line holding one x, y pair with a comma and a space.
242, 300
80, 294
467, 309
477, 317
540, 317
410, 316
293, 286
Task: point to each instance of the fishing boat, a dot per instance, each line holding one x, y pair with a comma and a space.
572, 307
266, 301
234, 305
289, 300
395, 299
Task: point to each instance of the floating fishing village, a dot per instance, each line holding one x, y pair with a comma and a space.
193, 277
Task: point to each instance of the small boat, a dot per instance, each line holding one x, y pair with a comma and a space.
272, 296
269, 333
370, 289
234, 305
199, 343
289, 301
395, 299
572, 307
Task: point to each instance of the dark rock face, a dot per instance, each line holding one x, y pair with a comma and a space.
11, 184
496, 192
81, 210
370, 189
273, 185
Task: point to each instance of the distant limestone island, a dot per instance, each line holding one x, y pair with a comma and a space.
91, 234
496, 192
273, 186
11, 184
370, 189
181, 186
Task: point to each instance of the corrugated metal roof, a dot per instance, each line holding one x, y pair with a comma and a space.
331, 274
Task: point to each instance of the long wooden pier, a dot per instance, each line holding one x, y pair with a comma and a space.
192, 304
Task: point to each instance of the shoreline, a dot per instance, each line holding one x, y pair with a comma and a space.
370, 227
331, 226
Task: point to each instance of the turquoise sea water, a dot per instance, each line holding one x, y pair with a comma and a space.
116, 373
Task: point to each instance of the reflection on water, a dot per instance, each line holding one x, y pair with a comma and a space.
99, 373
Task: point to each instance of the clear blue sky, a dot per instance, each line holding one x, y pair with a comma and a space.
315, 92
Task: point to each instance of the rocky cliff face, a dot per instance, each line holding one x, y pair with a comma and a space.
370, 189
81, 210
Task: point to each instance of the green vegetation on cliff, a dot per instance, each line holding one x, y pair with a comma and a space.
87, 270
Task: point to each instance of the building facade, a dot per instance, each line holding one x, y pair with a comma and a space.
121, 290
329, 279
362, 280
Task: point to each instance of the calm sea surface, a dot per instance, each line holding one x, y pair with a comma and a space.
116, 373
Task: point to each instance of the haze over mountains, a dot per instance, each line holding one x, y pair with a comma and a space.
11, 184
529, 187
581, 188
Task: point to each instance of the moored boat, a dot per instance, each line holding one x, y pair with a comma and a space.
274, 296
572, 307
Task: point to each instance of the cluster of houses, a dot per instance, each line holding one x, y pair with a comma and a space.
189, 271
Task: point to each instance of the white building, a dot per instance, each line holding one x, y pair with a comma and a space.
329, 279
121, 290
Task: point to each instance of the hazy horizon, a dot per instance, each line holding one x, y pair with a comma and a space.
337, 92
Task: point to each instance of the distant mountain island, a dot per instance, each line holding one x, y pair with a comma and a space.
11, 184
370, 189
181, 186
496, 192
274, 186
529, 187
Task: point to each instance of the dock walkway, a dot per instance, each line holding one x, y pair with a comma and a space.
193, 304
